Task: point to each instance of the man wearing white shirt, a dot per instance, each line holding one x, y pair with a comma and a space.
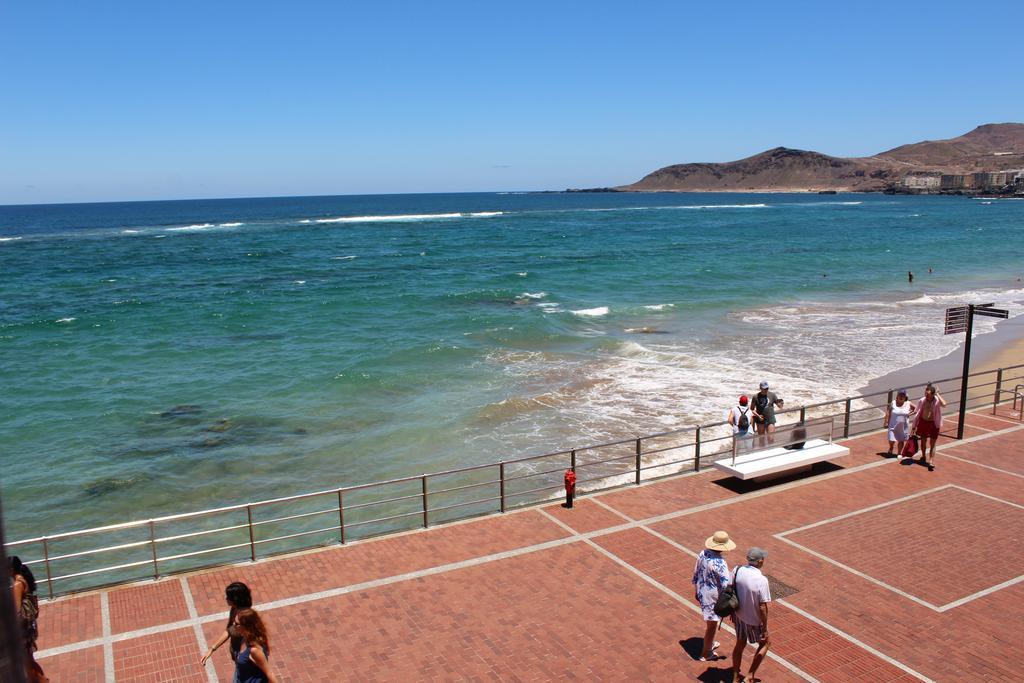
751, 618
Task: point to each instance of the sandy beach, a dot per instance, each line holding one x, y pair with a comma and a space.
1002, 348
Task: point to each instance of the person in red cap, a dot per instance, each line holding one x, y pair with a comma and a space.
739, 417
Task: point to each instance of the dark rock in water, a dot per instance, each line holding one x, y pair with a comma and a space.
212, 442
300, 431
221, 425
101, 487
184, 409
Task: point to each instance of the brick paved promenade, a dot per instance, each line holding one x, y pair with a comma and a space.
898, 573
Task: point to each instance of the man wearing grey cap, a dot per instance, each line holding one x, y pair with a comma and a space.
751, 617
763, 407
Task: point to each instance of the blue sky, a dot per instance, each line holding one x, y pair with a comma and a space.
140, 100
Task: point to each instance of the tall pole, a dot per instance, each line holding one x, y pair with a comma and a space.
967, 370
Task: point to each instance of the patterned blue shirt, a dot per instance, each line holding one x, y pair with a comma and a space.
710, 575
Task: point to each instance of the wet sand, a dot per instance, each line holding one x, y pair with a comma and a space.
999, 349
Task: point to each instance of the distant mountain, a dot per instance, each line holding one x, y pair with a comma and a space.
992, 147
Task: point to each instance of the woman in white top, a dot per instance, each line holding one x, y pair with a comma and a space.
897, 419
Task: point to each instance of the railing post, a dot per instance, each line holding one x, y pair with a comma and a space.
152, 546
696, 450
999, 386
426, 518
803, 413
572, 460
888, 402
639, 447
501, 483
46, 562
846, 419
341, 516
252, 538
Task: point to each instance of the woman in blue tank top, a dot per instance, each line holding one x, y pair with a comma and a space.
252, 664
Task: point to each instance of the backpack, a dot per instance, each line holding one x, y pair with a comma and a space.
743, 424
728, 602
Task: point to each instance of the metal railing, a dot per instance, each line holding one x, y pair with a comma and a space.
1018, 396
150, 548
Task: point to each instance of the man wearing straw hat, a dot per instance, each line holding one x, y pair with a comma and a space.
710, 575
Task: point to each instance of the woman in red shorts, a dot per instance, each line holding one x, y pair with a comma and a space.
928, 423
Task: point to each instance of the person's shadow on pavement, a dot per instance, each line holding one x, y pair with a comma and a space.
693, 647
716, 675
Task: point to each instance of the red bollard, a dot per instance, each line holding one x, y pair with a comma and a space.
570, 487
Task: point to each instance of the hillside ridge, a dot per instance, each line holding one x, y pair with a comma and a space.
988, 148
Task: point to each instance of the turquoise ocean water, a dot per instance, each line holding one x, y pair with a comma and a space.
162, 357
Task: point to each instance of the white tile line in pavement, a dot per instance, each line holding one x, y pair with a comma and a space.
108, 639
197, 627
524, 509
981, 464
609, 508
985, 495
861, 511
108, 645
805, 614
867, 577
859, 643
334, 592
669, 592
856, 572
309, 597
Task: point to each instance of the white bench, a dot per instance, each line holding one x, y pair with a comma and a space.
777, 461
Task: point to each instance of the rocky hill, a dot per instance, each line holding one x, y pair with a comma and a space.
991, 147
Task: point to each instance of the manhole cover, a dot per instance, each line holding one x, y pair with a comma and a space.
780, 589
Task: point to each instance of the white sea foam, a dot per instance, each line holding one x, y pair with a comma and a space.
678, 206
129, 232
306, 221
300, 282
808, 351
229, 225
523, 273
533, 295
659, 307
197, 227
398, 218
592, 312
64, 320
724, 206
857, 203
343, 258
408, 217
10, 239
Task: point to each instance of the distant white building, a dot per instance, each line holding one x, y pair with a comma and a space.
921, 182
